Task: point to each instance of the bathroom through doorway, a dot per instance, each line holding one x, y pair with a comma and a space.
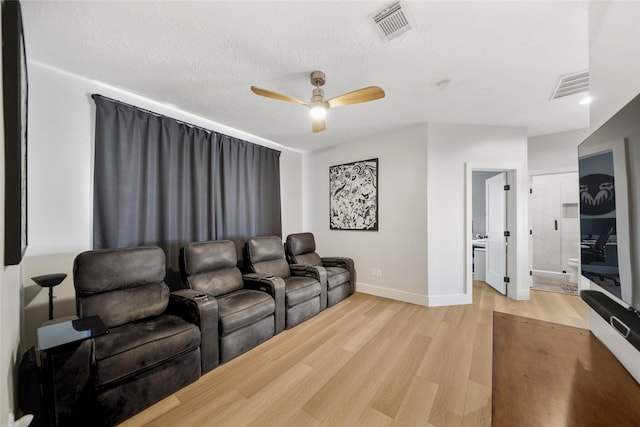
555, 227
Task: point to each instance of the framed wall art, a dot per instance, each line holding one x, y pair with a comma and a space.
353, 196
15, 93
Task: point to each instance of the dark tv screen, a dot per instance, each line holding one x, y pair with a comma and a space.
609, 172
598, 233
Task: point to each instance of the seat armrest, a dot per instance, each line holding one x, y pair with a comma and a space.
347, 264
317, 272
202, 311
274, 286
334, 261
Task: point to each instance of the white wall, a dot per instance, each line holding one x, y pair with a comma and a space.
614, 57
421, 247
10, 350
399, 248
61, 137
556, 152
453, 152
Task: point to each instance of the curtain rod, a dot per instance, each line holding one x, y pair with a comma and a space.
191, 125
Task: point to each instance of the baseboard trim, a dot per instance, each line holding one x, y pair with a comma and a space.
395, 294
426, 300
443, 300
523, 294
553, 274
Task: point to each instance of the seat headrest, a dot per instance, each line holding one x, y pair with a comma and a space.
209, 256
111, 269
264, 248
301, 243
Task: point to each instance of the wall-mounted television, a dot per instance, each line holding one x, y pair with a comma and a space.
609, 171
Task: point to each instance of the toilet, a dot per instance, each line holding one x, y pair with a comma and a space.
574, 269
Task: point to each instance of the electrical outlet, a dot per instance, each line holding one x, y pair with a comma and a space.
376, 272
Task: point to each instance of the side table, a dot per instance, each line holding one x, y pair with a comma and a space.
55, 342
58, 334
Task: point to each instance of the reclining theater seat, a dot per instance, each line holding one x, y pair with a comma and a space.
341, 276
247, 310
148, 353
265, 255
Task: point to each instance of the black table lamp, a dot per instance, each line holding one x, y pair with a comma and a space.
49, 281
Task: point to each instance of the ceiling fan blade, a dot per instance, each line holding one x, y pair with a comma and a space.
318, 125
275, 95
357, 96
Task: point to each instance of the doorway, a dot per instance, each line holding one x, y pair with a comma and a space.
516, 280
555, 228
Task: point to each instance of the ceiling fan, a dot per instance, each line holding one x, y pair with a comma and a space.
318, 106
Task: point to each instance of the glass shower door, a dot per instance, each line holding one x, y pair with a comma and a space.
555, 221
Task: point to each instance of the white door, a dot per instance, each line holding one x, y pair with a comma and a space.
496, 220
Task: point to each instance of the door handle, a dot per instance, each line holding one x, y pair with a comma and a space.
555, 224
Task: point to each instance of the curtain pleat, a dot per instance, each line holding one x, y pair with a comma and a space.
158, 181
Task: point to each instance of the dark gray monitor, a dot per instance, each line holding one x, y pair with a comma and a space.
609, 170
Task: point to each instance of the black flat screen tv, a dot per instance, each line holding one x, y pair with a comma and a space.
609, 172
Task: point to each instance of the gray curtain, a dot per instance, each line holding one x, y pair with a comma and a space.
159, 181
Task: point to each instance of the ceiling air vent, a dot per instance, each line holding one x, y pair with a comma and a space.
392, 21
571, 84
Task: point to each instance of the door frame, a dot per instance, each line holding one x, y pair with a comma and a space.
517, 223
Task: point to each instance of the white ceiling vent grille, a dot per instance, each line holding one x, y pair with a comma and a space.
392, 21
571, 84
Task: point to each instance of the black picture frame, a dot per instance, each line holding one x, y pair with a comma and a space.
15, 94
353, 196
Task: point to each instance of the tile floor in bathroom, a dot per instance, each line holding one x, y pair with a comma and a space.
554, 284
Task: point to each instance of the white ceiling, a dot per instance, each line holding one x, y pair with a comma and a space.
503, 60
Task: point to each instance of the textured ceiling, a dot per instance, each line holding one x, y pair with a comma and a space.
503, 60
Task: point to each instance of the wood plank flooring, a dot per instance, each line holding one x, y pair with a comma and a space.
569, 377
367, 361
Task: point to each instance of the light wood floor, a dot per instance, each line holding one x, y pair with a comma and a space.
367, 361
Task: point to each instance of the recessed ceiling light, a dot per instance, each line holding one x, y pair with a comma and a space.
586, 101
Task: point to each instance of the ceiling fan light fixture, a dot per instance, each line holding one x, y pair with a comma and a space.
318, 106
318, 112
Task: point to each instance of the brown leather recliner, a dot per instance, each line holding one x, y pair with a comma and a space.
250, 308
265, 255
153, 346
341, 275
